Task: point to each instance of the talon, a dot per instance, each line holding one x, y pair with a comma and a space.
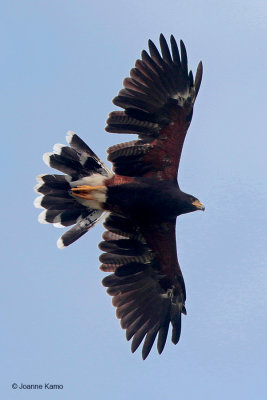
86, 188
83, 196
84, 191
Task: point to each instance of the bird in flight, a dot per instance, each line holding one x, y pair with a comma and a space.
140, 198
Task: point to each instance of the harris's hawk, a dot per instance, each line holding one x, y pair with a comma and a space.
140, 199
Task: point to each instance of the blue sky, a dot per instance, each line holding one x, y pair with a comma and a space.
62, 62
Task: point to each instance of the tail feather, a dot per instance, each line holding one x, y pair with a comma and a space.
70, 217
79, 229
78, 144
66, 151
89, 159
66, 165
62, 218
55, 202
51, 183
77, 161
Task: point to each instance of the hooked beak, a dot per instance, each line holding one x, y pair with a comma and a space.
199, 205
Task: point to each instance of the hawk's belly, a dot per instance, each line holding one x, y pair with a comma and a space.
144, 200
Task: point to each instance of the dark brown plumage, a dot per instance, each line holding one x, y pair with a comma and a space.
142, 196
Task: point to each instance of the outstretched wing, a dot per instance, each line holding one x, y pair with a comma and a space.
147, 284
158, 101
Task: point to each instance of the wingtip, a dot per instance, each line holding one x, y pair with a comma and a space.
151, 45
144, 355
184, 60
173, 40
200, 67
182, 45
176, 330
198, 77
134, 347
162, 337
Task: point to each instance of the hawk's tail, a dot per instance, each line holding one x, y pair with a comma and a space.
76, 161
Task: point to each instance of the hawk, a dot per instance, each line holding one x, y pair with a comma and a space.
140, 199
